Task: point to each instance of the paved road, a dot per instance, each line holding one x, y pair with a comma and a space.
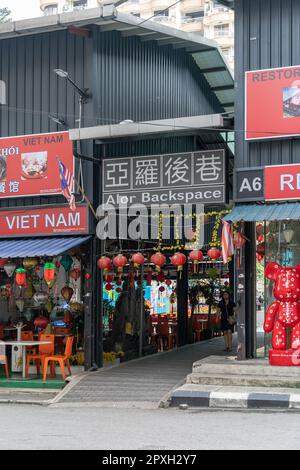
35, 427
143, 382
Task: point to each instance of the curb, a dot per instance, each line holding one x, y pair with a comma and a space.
242, 400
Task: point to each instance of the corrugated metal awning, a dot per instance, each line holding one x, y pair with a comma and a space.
38, 247
257, 212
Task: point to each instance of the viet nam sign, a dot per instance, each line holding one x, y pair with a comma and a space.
29, 164
272, 108
27, 222
282, 182
186, 178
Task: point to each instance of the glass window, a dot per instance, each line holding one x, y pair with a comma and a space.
221, 29
51, 10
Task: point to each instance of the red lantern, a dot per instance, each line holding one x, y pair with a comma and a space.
120, 261
260, 238
20, 277
214, 253
159, 260
239, 240
49, 274
168, 282
109, 287
138, 260
109, 279
161, 289
178, 260
196, 256
119, 290
67, 293
75, 273
88, 276
105, 264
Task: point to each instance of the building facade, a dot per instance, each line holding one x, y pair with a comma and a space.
109, 55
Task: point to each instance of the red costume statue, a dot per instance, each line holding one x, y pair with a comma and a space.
283, 317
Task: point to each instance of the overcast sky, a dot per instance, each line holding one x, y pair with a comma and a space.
21, 9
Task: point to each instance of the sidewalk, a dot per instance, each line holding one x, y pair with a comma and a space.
143, 383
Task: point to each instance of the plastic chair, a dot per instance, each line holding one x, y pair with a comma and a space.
164, 335
44, 351
28, 336
3, 358
62, 360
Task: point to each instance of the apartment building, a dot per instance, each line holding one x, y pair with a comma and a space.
206, 17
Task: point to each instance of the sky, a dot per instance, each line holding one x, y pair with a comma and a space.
22, 9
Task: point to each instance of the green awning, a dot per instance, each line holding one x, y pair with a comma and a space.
259, 212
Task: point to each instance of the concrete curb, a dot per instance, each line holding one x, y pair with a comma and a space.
235, 399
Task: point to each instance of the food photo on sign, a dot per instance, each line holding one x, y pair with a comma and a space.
29, 164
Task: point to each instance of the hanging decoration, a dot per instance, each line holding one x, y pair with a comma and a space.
28, 294
214, 253
5, 292
30, 263
178, 260
159, 260
120, 262
20, 277
196, 256
3, 262
49, 274
66, 261
20, 304
138, 260
109, 287
10, 268
41, 323
67, 293
75, 273
239, 241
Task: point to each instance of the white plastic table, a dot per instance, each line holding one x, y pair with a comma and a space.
24, 345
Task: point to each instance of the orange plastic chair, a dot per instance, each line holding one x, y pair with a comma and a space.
44, 351
62, 360
28, 336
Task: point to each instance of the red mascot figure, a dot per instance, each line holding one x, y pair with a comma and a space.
283, 317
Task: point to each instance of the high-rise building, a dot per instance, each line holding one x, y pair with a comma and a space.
206, 17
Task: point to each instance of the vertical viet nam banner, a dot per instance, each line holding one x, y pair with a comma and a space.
272, 107
29, 164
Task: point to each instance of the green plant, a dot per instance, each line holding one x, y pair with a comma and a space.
5, 15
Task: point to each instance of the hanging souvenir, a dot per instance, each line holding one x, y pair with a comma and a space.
39, 270
239, 241
120, 262
3, 262
30, 263
178, 260
40, 298
4, 293
20, 304
66, 261
28, 294
67, 293
196, 256
49, 305
10, 268
49, 274
20, 277
75, 273
214, 253
76, 307
105, 264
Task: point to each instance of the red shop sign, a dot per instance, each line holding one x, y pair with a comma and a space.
44, 221
282, 182
29, 164
272, 108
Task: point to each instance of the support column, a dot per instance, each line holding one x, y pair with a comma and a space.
182, 306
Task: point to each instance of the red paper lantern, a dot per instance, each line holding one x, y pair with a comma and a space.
196, 256
178, 260
20, 277
159, 260
49, 274
104, 263
120, 261
109, 287
214, 253
138, 260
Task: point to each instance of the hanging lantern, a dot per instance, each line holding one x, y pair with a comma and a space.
88, 276
178, 260
119, 282
161, 289
119, 290
138, 260
196, 256
161, 277
214, 253
30, 263
40, 298
105, 264
28, 294
49, 305
76, 307
109, 287
120, 261
20, 304
261, 249
4, 292
10, 268
20, 277
109, 279
49, 274
168, 282
3, 262
239, 241
159, 260
66, 261
41, 323
75, 273
67, 293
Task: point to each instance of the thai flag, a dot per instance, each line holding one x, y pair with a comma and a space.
227, 241
67, 185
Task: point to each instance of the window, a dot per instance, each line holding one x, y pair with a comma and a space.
79, 4
161, 13
196, 14
51, 10
221, 30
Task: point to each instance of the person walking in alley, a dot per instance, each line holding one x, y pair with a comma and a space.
227, 309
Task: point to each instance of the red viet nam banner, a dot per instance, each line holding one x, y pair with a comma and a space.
272, 108
29, 164
28, 222
282, 182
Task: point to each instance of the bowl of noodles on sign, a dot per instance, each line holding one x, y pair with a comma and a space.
34, 165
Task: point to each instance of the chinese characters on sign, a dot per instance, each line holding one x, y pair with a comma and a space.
29, 164
197, 177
